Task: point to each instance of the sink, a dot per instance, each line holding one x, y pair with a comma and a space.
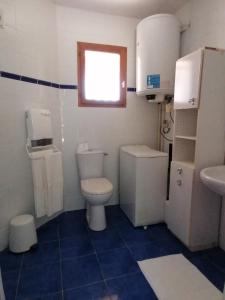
214, 179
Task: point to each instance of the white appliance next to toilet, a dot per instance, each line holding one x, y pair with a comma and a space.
95, 188
143, 184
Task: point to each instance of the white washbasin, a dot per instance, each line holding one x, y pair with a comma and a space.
214, 179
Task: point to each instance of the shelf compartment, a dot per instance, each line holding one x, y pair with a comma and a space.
189, 164
184, 150
192, 138
186, 122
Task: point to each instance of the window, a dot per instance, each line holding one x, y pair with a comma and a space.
101, 75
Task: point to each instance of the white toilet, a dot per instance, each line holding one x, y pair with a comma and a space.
96, 189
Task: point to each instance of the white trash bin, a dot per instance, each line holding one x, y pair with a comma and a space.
22, 233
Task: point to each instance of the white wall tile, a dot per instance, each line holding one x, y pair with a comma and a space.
27, 47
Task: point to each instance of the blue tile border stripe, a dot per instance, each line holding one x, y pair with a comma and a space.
131, 89
68, 87
44, 82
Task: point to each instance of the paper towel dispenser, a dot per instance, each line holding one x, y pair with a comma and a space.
39, 127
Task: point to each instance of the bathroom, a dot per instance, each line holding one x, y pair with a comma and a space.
38, 70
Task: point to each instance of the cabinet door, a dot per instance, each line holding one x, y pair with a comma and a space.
188, 80
179, 206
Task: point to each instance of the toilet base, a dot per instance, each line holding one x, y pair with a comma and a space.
96, 217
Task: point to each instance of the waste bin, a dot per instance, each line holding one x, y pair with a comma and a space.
22, 233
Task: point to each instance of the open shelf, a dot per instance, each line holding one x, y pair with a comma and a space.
186, 122
189, 164
186, 137
184, 150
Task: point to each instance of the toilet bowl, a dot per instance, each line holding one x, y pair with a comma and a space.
97, 192
96, 189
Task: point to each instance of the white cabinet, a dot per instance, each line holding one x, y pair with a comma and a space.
193, 211
143, 184
188, 78
180, 199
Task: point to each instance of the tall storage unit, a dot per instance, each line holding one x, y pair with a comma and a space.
143, 184
193, 211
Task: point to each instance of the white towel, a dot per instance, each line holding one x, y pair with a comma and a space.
39, 181
173, 277
48, 182
53, 162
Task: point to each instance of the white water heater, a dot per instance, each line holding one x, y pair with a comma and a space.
158, 47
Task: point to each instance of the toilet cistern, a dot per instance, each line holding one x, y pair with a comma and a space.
96, 189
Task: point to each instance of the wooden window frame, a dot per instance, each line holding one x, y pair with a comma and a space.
122, 51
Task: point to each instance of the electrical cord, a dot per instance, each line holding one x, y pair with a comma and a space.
164, 136
171, 117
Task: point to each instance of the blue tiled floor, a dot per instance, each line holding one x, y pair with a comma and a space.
75, 263
117, 262
80, 271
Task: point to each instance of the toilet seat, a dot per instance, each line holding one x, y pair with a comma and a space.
96, 186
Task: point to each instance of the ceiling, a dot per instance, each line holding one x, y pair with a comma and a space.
127, 8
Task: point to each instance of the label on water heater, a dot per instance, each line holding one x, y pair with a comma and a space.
153, 81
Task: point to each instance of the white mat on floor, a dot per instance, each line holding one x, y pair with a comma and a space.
173, 277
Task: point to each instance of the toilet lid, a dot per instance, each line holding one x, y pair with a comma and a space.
96, 186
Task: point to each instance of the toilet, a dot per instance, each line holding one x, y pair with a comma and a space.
95, 188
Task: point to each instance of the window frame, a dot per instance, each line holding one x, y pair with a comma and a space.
122, 51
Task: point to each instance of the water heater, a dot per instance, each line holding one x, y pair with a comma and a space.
158, 45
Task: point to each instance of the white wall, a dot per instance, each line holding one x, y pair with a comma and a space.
207, 19
35, 30
27, 47
106, 128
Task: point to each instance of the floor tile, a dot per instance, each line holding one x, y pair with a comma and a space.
189, 254
10, 261
116, 217
146, 251
217, 257
78, 217
40, 280
132, 287
68, 230
48, 232
92, 292
44, 253
80, 271
106, 240
159, 232
74, 246
54, 296
171, 246
10, 281
72, 223
210, 271
117, 262
132, 235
